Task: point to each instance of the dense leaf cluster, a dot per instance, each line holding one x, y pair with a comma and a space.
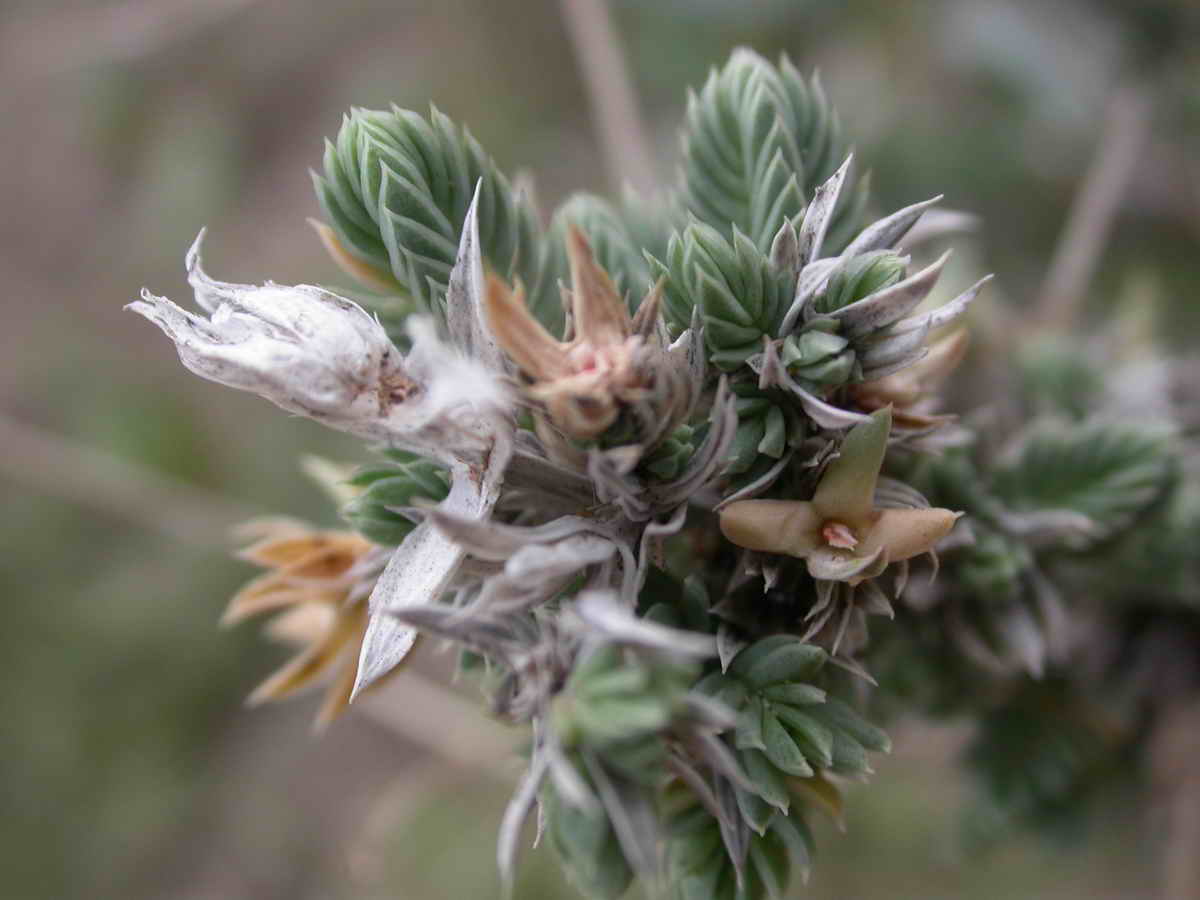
692, 686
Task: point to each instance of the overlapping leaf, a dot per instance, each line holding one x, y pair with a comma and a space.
757, 142
396, 189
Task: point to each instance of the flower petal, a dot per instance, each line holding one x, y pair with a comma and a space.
302, 670
274, 591
520, 335
847, 489
830, 564
773, 526
600, 315
904, 533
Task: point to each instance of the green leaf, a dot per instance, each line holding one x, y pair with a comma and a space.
814, 739
1109, 472
795, 693
740, 293
848, 756
588, 848
758, 140
841, 717
396, 189
698, 866
751, 432
766, 779
754, 810
781, 748
723, 689
859, 277
390, 486
786, 660
749, 734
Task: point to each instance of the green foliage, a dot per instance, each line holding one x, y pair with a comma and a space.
668, 459
859, 277
720, 755
1109, 472
1038, 760
758, 140
819, 357
389, 486
396, 189
588, 847
1157, 562
1058, 378
616, 247
698, 865
616, 696
787, 726
742, 296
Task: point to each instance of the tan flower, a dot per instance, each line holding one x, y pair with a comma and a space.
840, 533
908, 391
581, 383
318, 582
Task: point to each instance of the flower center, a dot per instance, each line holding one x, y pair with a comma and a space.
838, 535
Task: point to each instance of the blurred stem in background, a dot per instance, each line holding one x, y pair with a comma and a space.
110, 485
611, 94
1094, 209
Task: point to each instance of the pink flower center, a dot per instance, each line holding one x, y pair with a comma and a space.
838, 535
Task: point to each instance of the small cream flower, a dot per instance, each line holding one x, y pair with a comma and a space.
840, 533
581, 383
318, 583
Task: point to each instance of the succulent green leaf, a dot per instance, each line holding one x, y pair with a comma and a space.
388, 487
396, 188
771, 661
859, 277
781, 748
766, 779
758, 140
588, 848
1109, 472
814, 739
841, 717
741, 294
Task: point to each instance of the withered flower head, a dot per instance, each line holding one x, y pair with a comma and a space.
909, 391
318, 583
581, 383
840, 533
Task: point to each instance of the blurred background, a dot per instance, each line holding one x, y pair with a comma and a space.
128, 765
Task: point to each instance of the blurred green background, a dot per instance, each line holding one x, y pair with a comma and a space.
128, 766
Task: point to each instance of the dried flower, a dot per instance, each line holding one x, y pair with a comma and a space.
581, 383
840, 533
320, 355
908, 391
318, 582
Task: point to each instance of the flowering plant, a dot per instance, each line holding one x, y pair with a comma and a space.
662, 471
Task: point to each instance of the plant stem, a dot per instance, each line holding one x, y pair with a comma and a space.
108, 484
1127, 126
462, 737
610, 93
